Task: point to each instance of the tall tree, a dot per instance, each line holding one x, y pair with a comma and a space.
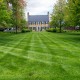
12, 10
74, 8
5, 15
58, 13
18, 13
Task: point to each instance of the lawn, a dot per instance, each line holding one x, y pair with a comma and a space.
40, 56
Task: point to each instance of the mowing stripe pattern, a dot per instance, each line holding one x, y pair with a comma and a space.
39, 56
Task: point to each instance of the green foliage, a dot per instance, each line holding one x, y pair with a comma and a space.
25, 30
12, 16
18, 12
50, 30
74, 9
53, 30
66, 13
23, 23
5, 15
58, 14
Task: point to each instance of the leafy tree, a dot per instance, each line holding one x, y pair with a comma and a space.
66, 13
74, 9
5, 16
58, 14
18, 13
12, 12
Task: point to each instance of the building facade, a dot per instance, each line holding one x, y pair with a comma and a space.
38, 22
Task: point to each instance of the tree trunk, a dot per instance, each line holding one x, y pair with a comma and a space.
60, 26
16, 29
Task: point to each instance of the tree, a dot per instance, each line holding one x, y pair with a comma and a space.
5, 16
12, 12
18, 13
58, 14
74, 9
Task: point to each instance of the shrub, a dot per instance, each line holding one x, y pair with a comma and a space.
57, 29
52, 30
25, 30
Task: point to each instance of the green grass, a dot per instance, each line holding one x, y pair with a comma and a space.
40, 56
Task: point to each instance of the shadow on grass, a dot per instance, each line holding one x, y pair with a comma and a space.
74, 33
8, 37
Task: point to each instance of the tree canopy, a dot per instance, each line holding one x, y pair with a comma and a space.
12, 13
66, 13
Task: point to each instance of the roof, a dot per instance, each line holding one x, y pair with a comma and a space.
38, 18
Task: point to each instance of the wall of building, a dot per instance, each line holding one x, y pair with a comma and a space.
41, 25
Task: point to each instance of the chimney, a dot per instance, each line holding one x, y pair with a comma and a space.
28, 14
47, 13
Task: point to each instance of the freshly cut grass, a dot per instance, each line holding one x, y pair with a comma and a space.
40, 56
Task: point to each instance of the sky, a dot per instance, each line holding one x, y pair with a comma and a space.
37, 7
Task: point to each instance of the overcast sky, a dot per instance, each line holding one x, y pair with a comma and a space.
36, 7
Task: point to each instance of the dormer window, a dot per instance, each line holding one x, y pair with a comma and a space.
38, 22
42, 22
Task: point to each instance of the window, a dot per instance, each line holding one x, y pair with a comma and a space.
42, 22
35, 23
45, 22
38, 22
29, 23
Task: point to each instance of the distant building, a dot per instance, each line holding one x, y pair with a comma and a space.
38, 22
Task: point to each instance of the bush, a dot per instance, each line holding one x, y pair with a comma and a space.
52, 30
2, 29
25, 30
57, 29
